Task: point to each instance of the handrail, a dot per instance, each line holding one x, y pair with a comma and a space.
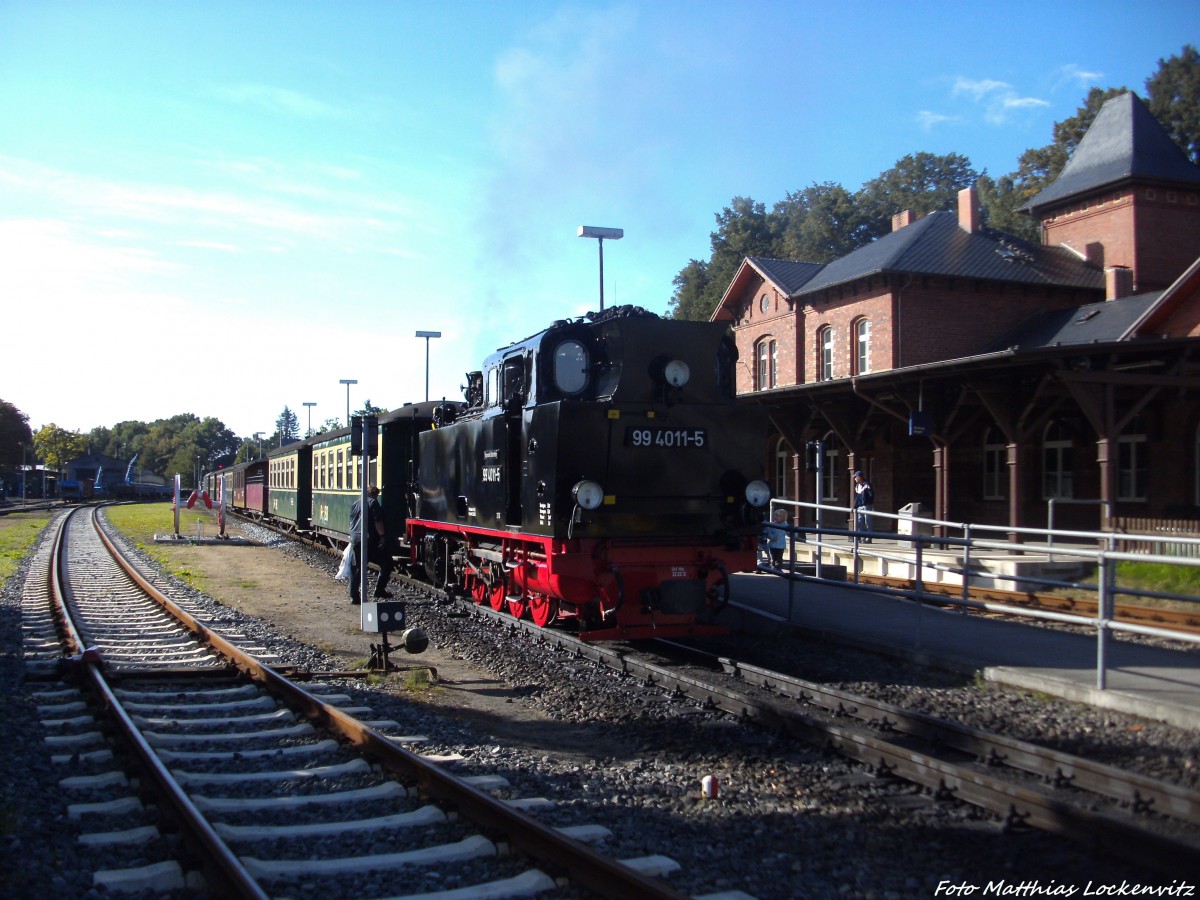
1101, 555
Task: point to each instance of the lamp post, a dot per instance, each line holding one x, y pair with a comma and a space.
427, 335
258, 437
310, 404
197, 472
347, 382
595, 231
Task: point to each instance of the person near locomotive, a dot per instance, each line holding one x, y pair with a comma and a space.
376, 546
864, 504
775, 536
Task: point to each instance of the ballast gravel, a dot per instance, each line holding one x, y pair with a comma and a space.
788, 820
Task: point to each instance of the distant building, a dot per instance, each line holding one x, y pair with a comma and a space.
981, 375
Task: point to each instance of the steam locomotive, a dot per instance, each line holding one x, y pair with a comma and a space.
599, 476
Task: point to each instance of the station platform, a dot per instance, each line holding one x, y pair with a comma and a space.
1152, 682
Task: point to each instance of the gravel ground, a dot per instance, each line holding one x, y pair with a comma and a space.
789, 822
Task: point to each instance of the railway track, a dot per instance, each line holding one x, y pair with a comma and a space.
194, 765
1143, 820
1147, 822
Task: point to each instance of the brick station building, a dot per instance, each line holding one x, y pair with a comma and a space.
981, 375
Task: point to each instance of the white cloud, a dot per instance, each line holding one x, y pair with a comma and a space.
1072, 76
998, 98
929, 119
278, 100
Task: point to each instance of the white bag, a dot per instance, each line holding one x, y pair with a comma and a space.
343, 572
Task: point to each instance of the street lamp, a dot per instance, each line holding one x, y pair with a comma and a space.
197, 471
427, 335
310, 405
594, 231
347, 382
24, 471
258, 437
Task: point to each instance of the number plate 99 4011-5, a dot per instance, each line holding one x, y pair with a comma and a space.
693, 438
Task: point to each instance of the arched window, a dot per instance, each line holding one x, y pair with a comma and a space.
766, 354
862, 347
995, 465
825, 353
1131, 461
1057, 463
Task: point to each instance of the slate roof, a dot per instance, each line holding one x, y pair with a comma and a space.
937, 245
1093, 323
788, 275
1124, 142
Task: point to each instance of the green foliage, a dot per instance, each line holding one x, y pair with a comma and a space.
1173, 94
56, 446
14, 431
922, 182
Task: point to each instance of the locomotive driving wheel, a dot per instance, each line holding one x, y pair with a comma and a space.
497, 596
542, 609
517, 606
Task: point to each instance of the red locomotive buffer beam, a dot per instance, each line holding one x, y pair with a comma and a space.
613, 590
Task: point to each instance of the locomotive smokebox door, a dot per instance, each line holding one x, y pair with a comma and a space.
378, 618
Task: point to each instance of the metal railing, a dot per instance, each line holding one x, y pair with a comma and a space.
1094, 551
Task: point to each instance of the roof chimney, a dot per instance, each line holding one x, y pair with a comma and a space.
1118, 282
968, 210
900, 219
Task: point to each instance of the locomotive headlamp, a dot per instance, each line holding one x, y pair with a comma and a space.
588, 494
758, 493
677, 373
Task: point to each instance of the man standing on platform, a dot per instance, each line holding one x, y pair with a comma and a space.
377, 551
864, 504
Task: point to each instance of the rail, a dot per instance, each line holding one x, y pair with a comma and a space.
1093, 550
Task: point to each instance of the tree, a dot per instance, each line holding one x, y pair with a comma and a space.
56, 446
821, 223
370, 409
332, 424
688, 300
287, 427
14, 432
1173, 95
922, 182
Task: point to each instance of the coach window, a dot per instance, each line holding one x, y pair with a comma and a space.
1057, 463
570, 367
825, 354
1131, 461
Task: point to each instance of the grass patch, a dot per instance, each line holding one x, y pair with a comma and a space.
1160, 577
140, 522
18, 533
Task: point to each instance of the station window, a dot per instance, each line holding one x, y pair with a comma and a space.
1057, 463
1131, 462
862, 347
825, 354
995, 465
767, 357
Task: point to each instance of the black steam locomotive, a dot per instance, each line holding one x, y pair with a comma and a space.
601, 475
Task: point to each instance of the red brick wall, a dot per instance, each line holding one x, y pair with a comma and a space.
752, 325
1153, 231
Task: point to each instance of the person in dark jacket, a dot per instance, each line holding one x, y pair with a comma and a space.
377, 551
864, 504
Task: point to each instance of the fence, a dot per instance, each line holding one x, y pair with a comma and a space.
1162, 531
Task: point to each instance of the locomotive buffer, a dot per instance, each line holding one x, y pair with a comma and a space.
381, 616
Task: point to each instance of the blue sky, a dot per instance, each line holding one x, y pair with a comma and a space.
250, 201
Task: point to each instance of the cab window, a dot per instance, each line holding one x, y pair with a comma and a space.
570, 367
